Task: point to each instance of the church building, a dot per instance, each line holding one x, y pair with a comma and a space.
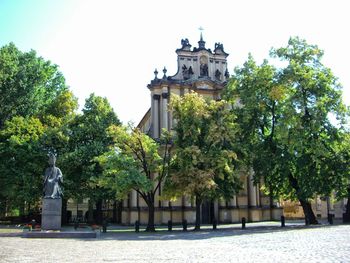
204, 71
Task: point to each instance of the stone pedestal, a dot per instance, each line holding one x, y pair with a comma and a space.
51, 214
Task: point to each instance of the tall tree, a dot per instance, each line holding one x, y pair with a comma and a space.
32, 93
22, 162
284, 118
341, 166
136, 162
257, 100
88, 139
24, 144
204, 156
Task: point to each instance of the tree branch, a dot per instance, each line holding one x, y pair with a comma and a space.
163, 174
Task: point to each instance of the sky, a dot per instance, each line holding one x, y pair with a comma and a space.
111, 47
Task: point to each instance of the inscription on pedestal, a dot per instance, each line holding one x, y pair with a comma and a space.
51, 214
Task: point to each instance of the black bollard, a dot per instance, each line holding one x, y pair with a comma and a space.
243, 222
104, 226
283, 221
184, 225
346, 218
137, 226
214, 224
170, 225
33, 224
330, 219
76, 224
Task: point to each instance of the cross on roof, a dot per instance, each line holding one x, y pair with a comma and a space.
201, 30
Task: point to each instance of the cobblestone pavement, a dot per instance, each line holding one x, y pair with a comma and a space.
270, 244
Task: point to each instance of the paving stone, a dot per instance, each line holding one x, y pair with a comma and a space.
290, 244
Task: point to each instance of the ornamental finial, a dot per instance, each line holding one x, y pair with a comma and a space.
164, 71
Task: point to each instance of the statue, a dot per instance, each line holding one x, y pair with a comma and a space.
187, 72
219, 46
227, 74
185, 43
218, 74
203, 70
190, 70
53, 179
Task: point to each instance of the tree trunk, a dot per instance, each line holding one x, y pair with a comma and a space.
114, 217
347, 211
310, 218
119, 212
3, 207
271, 202
99, 212
64, 218
198, 213
90, 218
22, 212
150, 225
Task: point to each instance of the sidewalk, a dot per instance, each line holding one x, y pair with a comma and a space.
16, 230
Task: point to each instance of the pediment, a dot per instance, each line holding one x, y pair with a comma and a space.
204, 85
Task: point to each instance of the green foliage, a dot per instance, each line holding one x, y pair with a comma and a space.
22, 160
63, 106
88, 138
28, 84
24, 144
284, 118
339, 167
204, 156
132, 163
38, 114
35, 109
121, 175
57, 117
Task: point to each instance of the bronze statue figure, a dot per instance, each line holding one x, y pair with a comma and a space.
53, 179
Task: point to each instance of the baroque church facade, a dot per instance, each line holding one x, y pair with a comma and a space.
204, 71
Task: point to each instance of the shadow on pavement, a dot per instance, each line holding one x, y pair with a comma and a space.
203, 234
117, 232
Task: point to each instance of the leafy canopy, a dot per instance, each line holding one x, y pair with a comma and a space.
28, 83
203, 163
134, 163
284, 119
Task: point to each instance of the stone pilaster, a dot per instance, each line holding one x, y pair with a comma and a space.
155, 118
165, 110
133, 199
252, 190
216, 210
258, 195
222, 203
233, 201
152, 115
